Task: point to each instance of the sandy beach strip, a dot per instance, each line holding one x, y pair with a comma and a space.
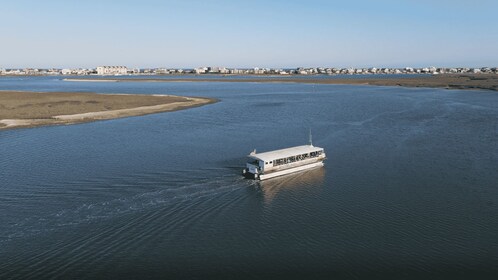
447, 81
31, 109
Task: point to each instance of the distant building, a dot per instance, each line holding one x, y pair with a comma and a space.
236, 71
162, 71
217, 70
201, 70
112, 70
66, 71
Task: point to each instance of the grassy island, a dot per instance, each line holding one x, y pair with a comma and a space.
447, 81
30, 109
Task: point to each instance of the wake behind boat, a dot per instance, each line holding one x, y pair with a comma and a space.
285, 161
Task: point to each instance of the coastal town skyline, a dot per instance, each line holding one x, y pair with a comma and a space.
279, 34
218, 70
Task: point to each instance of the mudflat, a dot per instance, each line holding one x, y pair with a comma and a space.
448, 81
29, 109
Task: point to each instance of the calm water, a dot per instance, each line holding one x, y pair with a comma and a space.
409, 190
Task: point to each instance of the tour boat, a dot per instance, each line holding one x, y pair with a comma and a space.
271, 164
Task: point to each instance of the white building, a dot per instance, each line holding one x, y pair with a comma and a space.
112, 70
66, 71
200, 70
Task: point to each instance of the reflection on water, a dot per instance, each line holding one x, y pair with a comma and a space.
309, 179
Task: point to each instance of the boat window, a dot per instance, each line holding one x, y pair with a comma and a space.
316, 153
279, 162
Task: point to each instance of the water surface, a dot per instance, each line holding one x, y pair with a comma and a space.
409, 189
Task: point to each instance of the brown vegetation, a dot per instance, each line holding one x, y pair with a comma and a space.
460, 81
29, 109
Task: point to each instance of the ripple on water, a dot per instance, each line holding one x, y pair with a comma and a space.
100, 200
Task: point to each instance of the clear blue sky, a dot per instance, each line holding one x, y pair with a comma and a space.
278, 33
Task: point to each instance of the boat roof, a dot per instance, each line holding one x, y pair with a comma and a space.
284, 153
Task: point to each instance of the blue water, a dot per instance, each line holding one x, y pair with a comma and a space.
409, 189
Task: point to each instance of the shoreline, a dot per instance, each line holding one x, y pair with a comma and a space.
444, 81
26, 109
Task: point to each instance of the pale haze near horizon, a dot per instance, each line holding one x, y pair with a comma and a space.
244, 34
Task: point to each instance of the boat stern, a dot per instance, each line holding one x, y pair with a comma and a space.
251, 171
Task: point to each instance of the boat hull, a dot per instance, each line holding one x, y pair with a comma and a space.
289, 171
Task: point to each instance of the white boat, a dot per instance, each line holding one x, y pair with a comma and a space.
285, 161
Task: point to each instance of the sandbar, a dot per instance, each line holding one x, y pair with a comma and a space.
447, 81
31, 109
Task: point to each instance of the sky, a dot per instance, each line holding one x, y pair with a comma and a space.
249, 33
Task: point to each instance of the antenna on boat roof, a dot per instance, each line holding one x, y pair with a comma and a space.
311, 139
